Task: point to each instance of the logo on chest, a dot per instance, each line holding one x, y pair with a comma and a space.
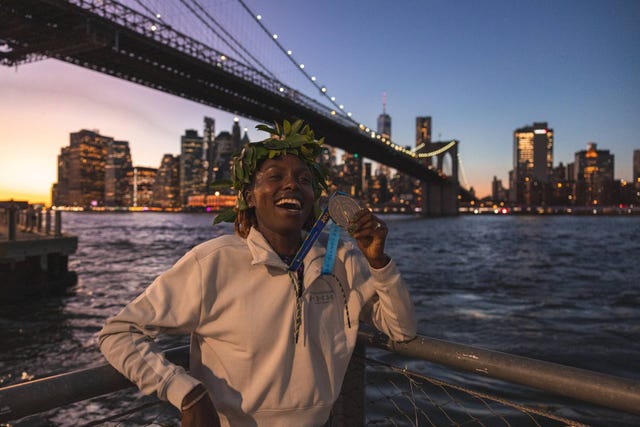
324, 297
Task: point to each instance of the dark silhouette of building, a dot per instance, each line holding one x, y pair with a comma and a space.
225, 148
561, 186
192, 173
81, 170
118, 187
594, 176
235, 134
532, 164
166, 189
209, 148
498, 192
636, 169
384, 120
226, 145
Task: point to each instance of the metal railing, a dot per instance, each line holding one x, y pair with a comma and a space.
21, 400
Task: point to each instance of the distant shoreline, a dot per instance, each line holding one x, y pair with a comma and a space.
504, 211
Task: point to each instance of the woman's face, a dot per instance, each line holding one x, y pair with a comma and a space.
282, 195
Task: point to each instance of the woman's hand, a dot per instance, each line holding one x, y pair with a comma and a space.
370, 234
198, 410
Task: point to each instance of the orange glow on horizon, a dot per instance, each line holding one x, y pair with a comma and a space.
23, 196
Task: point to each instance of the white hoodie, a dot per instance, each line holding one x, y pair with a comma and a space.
237, 300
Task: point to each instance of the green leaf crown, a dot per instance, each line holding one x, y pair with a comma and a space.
290, 138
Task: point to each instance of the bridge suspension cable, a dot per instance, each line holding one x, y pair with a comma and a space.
241, 53
222, 34
299, 66
155, 15
464, 176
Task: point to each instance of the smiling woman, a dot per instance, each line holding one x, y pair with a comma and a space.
265, 349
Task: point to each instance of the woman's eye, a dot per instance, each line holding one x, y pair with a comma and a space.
274, 177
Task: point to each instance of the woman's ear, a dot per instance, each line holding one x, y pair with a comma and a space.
248, 197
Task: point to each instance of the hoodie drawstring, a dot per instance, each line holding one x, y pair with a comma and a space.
297, 279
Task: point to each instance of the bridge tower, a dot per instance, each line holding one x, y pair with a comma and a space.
440, 198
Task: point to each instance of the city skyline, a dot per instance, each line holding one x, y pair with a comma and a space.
471, 68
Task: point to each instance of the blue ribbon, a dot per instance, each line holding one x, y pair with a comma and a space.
310, 240
332, 244
332, 248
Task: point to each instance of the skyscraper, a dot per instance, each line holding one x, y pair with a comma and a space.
226, 145
636, 168
594, 176
166, 188
60, 189
143, 181
118, 188
532, 163
209, 148
384, 120
81, 170
224, 152
498, 193
235, 133
192, 174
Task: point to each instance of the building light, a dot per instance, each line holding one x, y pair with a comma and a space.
540, 131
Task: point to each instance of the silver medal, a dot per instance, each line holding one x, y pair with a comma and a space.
342, 209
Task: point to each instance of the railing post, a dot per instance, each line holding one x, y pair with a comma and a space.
39, 226
58, 223
348, 410
47, 222
30, 223
13, 213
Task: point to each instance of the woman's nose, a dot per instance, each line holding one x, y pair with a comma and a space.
290, 181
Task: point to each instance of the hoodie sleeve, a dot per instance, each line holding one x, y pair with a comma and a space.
391, 308
171, 304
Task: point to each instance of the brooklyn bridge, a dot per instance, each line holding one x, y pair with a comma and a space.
132, 42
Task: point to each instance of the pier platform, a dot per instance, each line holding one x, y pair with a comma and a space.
33, 255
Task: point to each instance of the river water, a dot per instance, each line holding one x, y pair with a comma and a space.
558, 288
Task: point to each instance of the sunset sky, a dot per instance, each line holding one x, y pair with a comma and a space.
480, 69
